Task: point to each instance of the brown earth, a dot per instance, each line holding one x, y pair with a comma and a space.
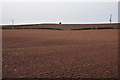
60, 54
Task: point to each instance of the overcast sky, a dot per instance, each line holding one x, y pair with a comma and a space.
66, 12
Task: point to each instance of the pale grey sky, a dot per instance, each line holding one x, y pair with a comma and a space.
66, 12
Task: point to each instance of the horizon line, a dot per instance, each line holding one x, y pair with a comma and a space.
59, 22
55, 23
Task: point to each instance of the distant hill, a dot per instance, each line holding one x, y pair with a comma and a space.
61, 26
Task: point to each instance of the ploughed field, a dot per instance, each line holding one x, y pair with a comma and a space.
60, 54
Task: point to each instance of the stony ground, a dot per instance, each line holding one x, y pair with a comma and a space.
60, 54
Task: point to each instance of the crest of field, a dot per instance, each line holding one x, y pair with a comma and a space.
63, 26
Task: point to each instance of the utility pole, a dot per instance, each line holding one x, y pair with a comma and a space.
12, 24
110, 19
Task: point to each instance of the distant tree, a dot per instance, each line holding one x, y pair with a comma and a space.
60, 23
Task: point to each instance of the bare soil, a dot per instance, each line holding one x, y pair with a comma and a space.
60, 54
